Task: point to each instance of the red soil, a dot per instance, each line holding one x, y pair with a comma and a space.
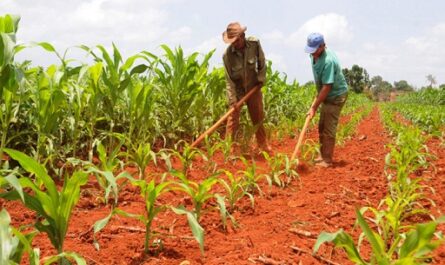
323, 200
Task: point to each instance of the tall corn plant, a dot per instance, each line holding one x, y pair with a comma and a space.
48, 102
140, 99
55, 207
10, 77
180, 81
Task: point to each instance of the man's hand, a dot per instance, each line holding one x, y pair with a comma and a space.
311, 112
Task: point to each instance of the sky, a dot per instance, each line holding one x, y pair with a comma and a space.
398, 40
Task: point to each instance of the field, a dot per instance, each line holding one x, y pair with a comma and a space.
97, 168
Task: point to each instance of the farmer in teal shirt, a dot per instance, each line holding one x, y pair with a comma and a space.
332, 94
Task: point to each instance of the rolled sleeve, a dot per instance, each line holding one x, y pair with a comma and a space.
261, 65
230, 85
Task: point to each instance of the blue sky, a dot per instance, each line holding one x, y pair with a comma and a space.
399, 40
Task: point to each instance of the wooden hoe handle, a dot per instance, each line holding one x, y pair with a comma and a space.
223, 118
300, 138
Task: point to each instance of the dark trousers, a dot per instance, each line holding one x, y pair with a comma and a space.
327, 126
256, 112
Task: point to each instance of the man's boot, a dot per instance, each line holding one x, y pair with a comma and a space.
327, 151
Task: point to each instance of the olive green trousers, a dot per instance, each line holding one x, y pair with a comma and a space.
327, 125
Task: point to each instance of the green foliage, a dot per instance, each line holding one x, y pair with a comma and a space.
150, 193
197, 230
357, 78
236, 188
141, 155
413, 247
250, 177
200, 192
14, 244
54, 206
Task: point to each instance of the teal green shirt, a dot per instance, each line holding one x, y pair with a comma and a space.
327, 70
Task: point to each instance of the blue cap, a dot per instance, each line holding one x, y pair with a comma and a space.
314, 40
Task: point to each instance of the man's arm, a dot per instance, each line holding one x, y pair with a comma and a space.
230, 85
319, 99
261, 65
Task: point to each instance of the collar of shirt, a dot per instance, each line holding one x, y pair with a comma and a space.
238, 52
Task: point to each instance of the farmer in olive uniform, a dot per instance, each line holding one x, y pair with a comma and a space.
332, 94
245, 68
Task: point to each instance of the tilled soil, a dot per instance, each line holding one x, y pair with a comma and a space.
280, 229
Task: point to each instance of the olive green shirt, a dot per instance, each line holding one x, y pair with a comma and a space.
244, 69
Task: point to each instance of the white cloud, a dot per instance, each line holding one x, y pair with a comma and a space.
275, 36
180, 35
210, 44
334, 27
278, 62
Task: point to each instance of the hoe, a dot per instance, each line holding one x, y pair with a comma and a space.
223, 118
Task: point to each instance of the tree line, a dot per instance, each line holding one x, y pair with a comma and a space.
377, 88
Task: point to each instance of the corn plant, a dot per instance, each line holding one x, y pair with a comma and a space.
211, 147
236, 188
224, 213
104, 171
195, 227
226, 147
276, 170
187, 155
413, 248
309, 150
14, 244
165, 155
199, 193
55, 207
115, 80
11, 78
251, 177
290, 168
179, 81
49, 101
141, 155
150, 193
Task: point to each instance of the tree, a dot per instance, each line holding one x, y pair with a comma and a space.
380, 88
431, 79
402, 85
357, 78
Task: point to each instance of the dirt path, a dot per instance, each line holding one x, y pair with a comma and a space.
324, 200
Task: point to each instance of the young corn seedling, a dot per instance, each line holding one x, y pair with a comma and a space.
55, 207
142, 155
165, 156
14, 244
281, 170
226, 148
211, 147
414, 247
200, 193
187, 155
150, 192
309, 150
104, 172
224, 213
289, 168
235, 187
250, 177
